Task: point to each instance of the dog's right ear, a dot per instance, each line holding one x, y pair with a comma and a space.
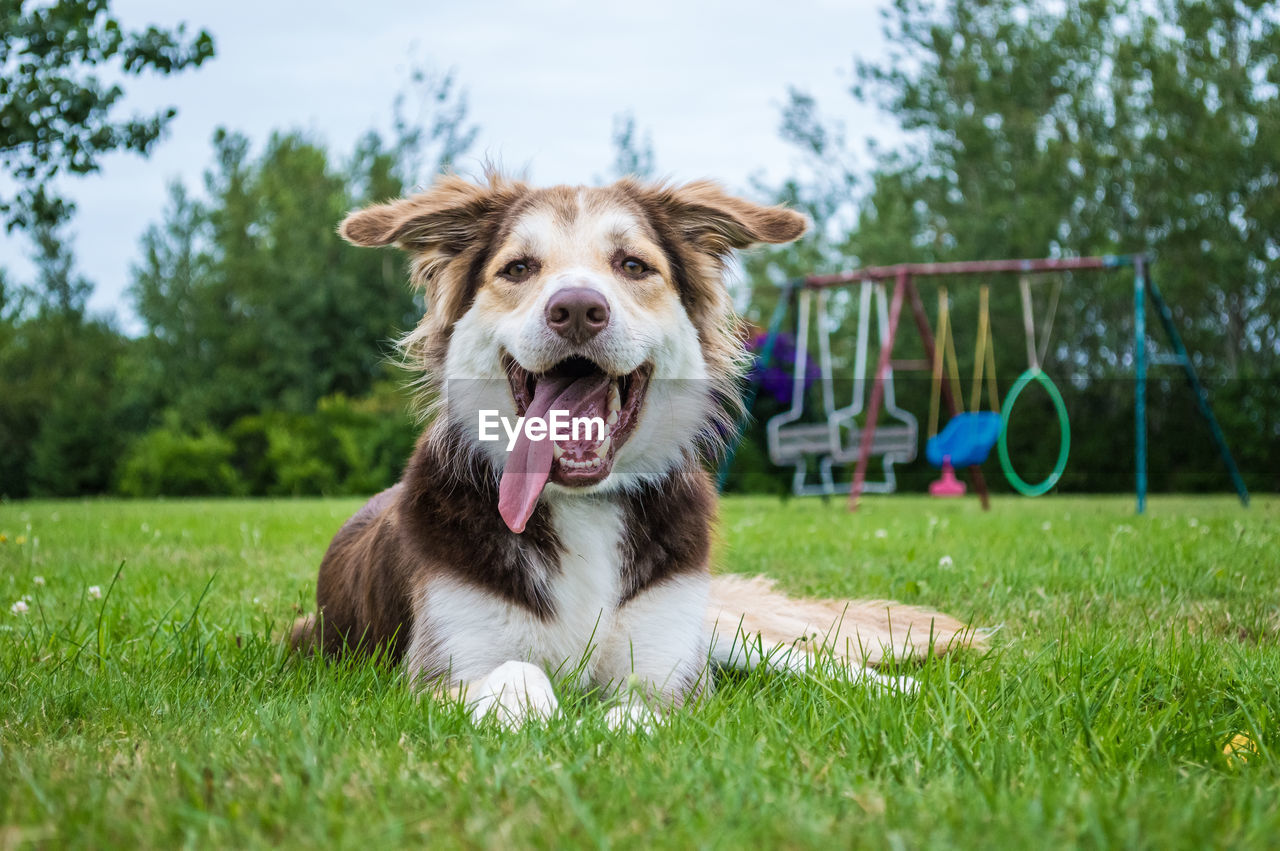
444, 220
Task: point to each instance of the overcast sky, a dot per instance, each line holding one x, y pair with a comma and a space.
544, 79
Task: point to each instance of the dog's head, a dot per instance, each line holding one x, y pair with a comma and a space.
603, 303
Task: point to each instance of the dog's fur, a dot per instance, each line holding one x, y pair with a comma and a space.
607, 577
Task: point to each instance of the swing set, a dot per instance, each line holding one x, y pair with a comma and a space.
796, 439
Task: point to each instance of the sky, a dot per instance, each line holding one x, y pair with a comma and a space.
705, 80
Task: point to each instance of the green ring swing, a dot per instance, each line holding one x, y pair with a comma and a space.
1019, 484
1037, 375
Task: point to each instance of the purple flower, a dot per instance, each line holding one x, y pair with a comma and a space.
775, 377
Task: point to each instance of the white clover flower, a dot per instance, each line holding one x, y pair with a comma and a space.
946, 562
19, 608
37, 581
882, 533
1046, 526
95, 592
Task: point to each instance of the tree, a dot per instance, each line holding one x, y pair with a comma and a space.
61, 383
63, 403
56, 115
1087, 128
437, 133
60, 290
251, 301
632, 153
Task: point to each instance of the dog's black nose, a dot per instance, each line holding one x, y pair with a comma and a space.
577, 314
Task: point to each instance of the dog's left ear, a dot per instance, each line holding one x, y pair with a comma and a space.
717, 222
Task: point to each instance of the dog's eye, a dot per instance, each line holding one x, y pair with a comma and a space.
634, 267
517, 270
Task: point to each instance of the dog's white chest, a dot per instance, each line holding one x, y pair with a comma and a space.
587, 587
472, 630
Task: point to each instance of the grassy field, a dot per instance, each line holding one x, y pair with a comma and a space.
154, 709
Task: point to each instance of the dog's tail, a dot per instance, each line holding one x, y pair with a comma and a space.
304, 637
751, 622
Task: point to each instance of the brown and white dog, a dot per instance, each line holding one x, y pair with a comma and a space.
494, 562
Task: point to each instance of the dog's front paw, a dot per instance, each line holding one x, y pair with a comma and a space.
884, 682
515, 694
632, 716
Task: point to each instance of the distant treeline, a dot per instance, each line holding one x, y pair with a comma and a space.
265, 360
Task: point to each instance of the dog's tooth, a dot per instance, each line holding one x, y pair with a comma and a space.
615, 399
613, 419
603, 449
556, 451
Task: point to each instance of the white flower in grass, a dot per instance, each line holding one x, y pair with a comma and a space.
37, 581
95, 592
946, 562
1193, 522
1046, 526
20, 608
882, 533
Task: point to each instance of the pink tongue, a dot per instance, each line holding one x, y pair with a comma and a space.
529, 463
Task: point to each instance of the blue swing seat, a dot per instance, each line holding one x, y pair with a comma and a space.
966, 440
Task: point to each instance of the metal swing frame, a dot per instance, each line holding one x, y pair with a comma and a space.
1144, 291
904, 290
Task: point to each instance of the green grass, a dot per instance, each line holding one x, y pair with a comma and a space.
1130, 650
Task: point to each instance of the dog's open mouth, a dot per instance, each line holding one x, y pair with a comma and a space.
592, 412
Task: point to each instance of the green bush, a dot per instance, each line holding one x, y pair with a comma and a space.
168, 461
344, 447
302, 456
374, 437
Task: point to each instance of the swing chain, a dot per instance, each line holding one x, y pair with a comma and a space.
944, 347
984, 356
1036, 354
944, 352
